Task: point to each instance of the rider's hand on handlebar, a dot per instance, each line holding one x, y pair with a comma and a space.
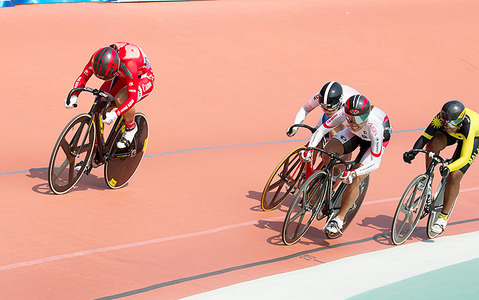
73, 102
444, 171
110, 117
348, 176
307, 155
291, 131
409, 156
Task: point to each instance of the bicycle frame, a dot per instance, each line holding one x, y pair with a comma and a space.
439, 195
102, 102
332, 203
309, 170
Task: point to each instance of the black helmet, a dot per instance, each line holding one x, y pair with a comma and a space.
453, 112
357, 106
330, 95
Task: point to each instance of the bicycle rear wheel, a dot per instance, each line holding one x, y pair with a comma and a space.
436, 208
69, 151
409, 210
284, 178
363, 188
123, 163
304, 208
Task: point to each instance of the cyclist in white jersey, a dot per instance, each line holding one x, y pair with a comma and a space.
366, 126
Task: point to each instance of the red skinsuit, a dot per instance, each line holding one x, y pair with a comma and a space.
134, 72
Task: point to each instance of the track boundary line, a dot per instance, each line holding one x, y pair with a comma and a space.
167, 239
200, 149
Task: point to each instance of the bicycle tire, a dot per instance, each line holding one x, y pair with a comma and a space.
409, 205
120, 169
271, 198
437, 205
307, 201
363, 188
62, 175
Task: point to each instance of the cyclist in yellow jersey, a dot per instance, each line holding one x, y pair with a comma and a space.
454, 124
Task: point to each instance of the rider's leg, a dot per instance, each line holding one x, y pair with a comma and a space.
350, 195
450, 194
436, 145
452, 190
129, 117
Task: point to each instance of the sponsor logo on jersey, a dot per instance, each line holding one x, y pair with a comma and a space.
146, 86
125, 70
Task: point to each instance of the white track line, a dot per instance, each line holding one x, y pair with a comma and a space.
165, 239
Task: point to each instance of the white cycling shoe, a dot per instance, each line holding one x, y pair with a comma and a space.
439, 226
334, 226
127, 137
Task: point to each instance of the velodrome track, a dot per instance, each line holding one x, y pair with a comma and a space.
230, 77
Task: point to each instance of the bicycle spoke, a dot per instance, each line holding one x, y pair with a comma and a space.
408, 211
283, 180
62, 174
60, 169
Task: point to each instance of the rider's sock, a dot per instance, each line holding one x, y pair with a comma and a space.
443, 215
130, 125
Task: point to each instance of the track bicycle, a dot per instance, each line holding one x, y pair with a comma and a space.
287, 176
316, 199
82, 146
417, 202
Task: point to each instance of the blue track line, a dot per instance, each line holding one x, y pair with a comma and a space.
204, 148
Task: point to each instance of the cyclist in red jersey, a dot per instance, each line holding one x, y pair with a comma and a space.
128, 77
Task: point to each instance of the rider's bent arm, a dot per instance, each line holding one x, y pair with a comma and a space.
371, 166
466, 150
84, 76
131, 72
300, 116
326, 127
429, 133
376, 153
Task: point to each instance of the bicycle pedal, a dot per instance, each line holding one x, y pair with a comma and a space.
87, 170
293, 191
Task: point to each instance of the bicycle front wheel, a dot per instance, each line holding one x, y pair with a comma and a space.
123, 163
71, 154
304, 208
283, 180
409, 210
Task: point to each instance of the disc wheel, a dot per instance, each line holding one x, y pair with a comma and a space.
123, 163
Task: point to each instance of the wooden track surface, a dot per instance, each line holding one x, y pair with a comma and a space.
230, 77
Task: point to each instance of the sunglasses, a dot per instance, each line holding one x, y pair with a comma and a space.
356, 119
329, 108
452, 124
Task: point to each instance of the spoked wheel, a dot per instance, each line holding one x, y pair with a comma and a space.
409, 210
123, 163
283, 180
306, 204
363, 188
72, 151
